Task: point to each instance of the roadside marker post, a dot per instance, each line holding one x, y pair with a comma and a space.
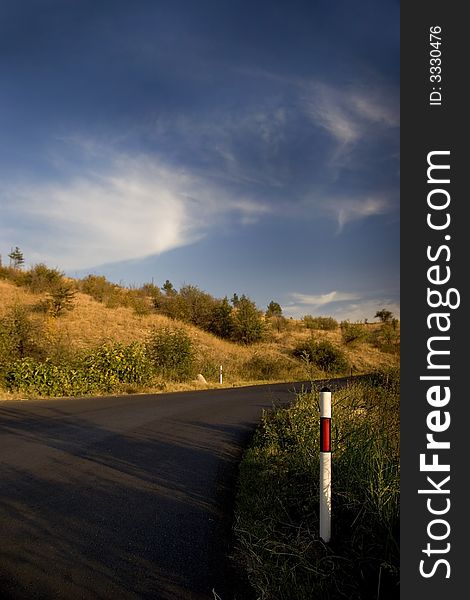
325, 464
220, 374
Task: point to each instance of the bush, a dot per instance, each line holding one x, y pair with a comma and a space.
138, 300
41, 278
105, 369
352, 332
322, 354
322, 323
111, 365
16, 276
47, 378
248, 326
278, 323
18, 335
100, 289
221, 322
264, 368
60, 298
172, 353
387, 338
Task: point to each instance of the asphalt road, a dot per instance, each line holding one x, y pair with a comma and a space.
126, 497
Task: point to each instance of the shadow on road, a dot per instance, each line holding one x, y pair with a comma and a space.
88, 511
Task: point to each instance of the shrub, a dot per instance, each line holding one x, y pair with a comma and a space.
352, 332
323, 354
279, 323
196, 306
322, 323
16, 276
387, 338
100, 289
18, 335
104, 369
47, 378
248, 327
172, 353
260, 367
113, 364
60, 298
41, 278
274, 309
221, 322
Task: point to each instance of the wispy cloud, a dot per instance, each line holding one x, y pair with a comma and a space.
350, 209
340, 305
316, 301
351, 115
345, 209
133, 208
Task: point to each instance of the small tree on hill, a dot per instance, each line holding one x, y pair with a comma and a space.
16, 258
222, 320
274, 309
235, 300
168, 288
248, 326
384, 315
60, 299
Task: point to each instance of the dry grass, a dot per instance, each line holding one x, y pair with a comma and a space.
91, 323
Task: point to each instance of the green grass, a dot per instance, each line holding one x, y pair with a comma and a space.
277, 505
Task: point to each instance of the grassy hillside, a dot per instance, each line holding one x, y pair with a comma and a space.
32, 329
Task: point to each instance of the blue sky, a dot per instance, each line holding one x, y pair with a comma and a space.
234, 145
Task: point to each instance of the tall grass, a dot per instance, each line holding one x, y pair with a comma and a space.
277, 518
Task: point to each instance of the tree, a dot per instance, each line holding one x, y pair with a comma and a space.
196, 306
60, 299
384, 315
235, 300
248, 326
16, 258
274, 309
222, 321
168, 288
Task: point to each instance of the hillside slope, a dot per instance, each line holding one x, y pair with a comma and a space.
91, 323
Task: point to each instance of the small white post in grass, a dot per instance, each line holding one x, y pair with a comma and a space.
220, 374
325, 464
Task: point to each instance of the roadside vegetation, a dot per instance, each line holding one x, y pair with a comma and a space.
277, 521
64, 337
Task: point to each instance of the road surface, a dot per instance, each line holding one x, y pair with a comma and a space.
127, 497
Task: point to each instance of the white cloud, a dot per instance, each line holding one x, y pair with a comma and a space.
347, 210
365, 310
134, 208
350, 115
320, 300
340, 305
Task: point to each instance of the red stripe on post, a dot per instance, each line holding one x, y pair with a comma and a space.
325, 434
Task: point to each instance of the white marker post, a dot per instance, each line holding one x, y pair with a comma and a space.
220, 374
325, 464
